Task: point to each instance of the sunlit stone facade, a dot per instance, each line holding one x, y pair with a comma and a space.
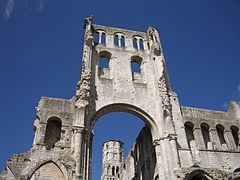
125, 70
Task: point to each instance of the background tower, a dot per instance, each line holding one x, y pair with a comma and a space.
112, 158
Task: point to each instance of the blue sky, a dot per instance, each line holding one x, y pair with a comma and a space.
41, 50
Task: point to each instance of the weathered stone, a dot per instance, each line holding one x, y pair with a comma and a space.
62, 146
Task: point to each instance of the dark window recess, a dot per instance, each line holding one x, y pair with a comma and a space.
53, 133
116, 40
103, 38
220, 132
235, 130
96, 37
113, 170
104, 62
189, 132
135, 43
122, 41
205, 133
141, 44
136, 67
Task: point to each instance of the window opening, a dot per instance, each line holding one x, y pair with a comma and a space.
103, 38
220, 132
113, 170
235, 130
141, 44
189, 132
104, 62
205, 133
136, 67
116, 40
96, 37
53, 133
122, 41
135, 43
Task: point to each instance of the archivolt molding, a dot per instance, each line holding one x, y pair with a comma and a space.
121, 107
39, 164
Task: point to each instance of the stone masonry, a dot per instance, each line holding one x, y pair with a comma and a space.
124, 70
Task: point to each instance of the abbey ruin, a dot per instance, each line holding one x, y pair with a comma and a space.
177, 143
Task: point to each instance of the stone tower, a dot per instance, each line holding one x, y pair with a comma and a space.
112, 159
125, 70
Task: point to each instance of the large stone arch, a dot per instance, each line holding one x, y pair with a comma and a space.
115, 107
48, 170
122, 107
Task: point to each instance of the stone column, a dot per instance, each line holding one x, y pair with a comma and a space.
199, 138
138, 43
119, 40
78, 133
100, 38
229, 140
173, 144
214, 139
161, 164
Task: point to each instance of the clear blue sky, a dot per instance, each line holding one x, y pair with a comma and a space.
41, 50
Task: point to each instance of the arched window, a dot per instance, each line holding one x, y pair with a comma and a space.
122, 41
103, 38
141, 44
104, 58
189, 132
205, 133
99, 37
96, 37
53, 132
235, 132
113, 170
135, 43
220, 132
116, 40
117, 169
136, 64
119, 39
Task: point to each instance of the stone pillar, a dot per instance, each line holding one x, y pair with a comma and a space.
119, 40
229, 140
161, 164
78, 133
100, 38
214, 139
138, 43
109, 40
173, 145
89, 156
198, 137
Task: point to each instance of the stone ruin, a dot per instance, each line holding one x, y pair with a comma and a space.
124, 70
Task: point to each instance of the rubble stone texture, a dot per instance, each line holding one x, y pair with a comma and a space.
124, 70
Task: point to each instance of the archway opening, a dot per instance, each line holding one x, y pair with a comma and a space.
199, 177
108, 161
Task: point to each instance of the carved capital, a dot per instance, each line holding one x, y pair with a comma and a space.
78, 129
